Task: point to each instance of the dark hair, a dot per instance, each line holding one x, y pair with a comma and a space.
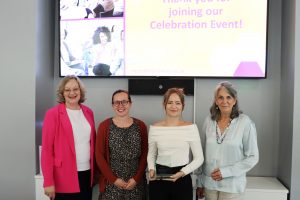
102, 69
170, 91
120, 91
101, 29
61, 88
215, 111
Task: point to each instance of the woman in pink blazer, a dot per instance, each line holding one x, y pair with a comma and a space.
68, 144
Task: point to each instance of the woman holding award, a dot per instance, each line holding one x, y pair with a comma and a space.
170, 141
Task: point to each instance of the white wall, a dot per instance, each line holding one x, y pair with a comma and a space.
17, 107
296, 114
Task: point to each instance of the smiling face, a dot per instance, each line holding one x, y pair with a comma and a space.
121, 104
72, 94
225, 101
174, 106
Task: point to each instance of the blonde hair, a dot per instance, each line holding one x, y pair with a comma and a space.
61, 88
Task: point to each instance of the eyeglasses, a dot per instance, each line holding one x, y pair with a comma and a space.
123, 103
75, 90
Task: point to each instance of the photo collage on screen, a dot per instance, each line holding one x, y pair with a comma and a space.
92, 37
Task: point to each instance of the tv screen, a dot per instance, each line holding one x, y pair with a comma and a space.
163, 38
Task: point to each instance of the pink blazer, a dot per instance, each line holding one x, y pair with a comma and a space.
58, 157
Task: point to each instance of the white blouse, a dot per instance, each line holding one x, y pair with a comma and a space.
82, 136
170, 146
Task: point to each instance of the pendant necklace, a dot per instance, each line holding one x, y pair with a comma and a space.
220, 137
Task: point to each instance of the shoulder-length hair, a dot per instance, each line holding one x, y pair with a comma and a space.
101, 29
170, 91
61, 88
215, 111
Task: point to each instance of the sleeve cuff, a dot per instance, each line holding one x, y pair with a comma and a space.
225, 172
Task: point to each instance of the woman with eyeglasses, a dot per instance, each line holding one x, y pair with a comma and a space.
68, 144
170, 142
230, 148
121, 152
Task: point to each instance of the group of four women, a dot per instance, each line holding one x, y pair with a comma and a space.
73, 157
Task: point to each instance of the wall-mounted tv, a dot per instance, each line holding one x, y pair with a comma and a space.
163, 38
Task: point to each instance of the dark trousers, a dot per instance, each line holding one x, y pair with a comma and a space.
85, 193
99, 12
182, 189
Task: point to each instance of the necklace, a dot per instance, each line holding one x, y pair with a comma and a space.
220, 137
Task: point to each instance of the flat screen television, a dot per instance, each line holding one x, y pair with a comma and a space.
163, 38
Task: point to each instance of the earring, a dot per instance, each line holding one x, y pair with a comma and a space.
217, 108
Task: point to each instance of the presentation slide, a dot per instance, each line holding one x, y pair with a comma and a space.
179, 38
